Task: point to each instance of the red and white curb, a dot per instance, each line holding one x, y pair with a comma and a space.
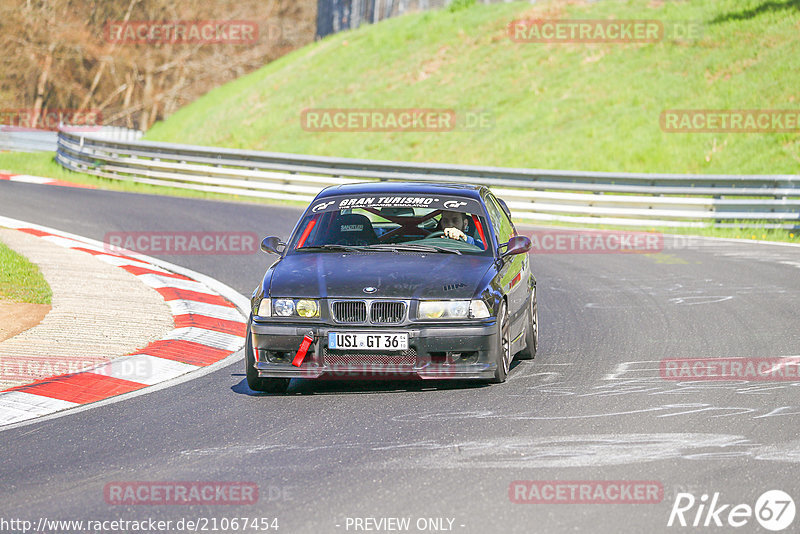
210, 326
41, 180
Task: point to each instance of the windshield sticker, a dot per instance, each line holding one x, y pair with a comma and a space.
352, 228
321, 206
454, 204
431, 202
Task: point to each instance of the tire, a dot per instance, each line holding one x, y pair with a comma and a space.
504, 355
255, 382
531, 331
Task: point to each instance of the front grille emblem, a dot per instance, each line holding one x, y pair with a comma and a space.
370, 289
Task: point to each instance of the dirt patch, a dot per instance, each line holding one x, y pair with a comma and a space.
16, 317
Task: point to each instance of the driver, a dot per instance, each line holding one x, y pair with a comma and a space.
454, 225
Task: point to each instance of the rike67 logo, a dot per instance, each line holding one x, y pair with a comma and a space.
774, 510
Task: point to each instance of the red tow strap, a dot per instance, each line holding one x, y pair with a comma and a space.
301, 352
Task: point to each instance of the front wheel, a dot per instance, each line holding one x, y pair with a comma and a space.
531, 331
255, 382
504, 346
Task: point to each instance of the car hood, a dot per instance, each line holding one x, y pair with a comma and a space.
394, 275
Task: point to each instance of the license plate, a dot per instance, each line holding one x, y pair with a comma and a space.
362, 341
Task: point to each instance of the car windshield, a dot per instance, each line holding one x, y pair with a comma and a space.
396, 229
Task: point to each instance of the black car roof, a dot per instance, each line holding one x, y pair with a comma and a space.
404, 188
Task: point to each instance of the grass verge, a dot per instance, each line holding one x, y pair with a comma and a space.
21, 280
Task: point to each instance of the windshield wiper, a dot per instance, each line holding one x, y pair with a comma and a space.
413, 248
384, 247
334, 246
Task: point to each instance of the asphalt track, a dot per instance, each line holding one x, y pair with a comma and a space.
591, 406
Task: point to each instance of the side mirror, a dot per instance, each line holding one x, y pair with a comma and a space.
273, 245
516, 245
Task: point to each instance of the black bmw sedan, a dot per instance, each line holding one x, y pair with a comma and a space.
394, 280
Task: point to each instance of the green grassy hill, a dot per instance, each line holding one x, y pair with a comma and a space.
566, 106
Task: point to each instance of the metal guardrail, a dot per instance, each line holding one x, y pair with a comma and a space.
630, 199
32, 140
27, 140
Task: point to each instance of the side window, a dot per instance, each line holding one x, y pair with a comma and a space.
500, 221
494, 214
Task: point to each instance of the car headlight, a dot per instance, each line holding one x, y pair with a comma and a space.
295, 308
284, 307
444, 309
263, 308
307, 308
478, 310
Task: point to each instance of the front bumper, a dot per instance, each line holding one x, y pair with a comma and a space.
437, 352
